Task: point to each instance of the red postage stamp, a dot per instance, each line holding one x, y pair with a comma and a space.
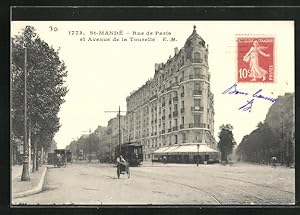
255, 60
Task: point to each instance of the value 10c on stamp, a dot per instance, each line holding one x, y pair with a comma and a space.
255, 59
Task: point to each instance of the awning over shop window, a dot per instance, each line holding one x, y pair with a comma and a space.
186, 149
161, 150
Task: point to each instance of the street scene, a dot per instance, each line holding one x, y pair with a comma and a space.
94, 183
126, 113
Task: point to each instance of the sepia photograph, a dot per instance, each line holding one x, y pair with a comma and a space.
152, 112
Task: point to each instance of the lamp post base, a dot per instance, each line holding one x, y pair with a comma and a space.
25, 171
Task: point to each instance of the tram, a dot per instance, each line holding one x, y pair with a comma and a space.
132, 152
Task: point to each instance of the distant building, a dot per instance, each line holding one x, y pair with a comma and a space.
176, 106
113, 131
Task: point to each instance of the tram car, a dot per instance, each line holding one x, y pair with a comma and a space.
132, 152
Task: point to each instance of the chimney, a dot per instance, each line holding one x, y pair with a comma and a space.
176, 50
156, 66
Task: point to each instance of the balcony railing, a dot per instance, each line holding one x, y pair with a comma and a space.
175, 113
182, 94
181, 79
197, 92
175, 128
197, 76
153, 97
197, 60
181, 126
181, 110
169, 88
162, 131
203, 77
197, 125
175, 99
197, 108
163, 104
163, 118
191, 76
169, 129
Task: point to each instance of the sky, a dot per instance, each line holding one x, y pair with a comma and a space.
101, 74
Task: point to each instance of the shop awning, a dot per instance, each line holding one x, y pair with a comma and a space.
161, 150
186, 149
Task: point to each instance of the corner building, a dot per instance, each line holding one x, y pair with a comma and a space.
176, 106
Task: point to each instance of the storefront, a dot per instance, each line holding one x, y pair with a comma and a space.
187, 153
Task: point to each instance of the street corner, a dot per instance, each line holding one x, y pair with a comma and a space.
25, 188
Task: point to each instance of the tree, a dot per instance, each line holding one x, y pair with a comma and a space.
45, 87
226, 142
260, 145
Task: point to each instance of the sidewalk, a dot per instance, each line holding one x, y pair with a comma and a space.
16, 171
24, 188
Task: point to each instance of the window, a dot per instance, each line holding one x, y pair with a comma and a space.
176, 139
175, 93
197, 87
197, 57
182, 104
182, 120
183, 137
197, 120
197, 72
197, 102
176, 107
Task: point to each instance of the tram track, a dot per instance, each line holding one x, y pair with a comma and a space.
185, 185
259, 185
252, 198
260, 199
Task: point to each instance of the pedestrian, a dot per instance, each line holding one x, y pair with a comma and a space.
165, 159
273, 161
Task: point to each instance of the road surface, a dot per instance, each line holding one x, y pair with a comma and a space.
94, 183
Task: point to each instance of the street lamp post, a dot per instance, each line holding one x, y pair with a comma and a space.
119, 131
197, 154
25, 171
119, 118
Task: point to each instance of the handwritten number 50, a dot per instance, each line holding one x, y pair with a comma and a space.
53, 28
244, 73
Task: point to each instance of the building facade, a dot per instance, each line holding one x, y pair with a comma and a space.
113, 132
176, 106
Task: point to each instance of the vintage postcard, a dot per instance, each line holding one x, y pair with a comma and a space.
152, 112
